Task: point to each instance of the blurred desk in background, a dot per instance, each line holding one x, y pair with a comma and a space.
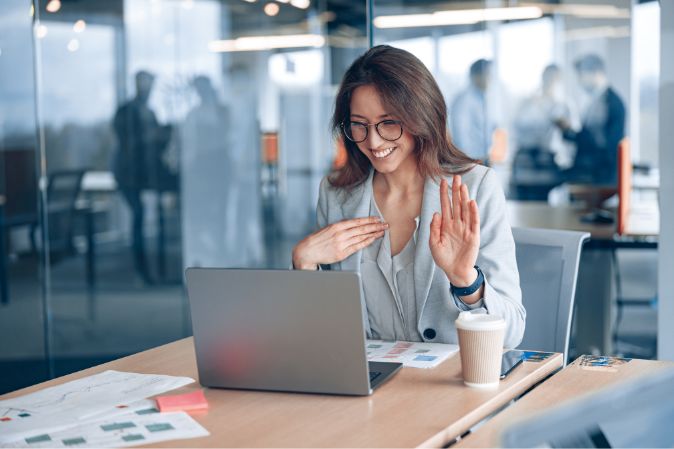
596, 289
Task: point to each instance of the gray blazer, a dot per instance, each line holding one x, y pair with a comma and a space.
436, 308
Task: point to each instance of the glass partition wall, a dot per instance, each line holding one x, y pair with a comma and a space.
146, 136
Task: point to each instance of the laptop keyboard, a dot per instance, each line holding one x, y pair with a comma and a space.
374, 375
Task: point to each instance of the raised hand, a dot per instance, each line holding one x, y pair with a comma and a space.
337, 241
455, 234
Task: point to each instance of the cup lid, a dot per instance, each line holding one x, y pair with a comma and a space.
471, 321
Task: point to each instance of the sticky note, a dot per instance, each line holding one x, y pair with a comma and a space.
187, 401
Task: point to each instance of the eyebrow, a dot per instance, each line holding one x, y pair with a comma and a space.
363, 117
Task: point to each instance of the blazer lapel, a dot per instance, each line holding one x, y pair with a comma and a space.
424, 265
356, 205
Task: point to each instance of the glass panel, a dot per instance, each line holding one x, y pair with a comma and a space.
22, 326
177, 133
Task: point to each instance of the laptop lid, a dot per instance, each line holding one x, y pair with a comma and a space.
279, 330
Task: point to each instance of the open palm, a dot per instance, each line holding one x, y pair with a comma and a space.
455, 233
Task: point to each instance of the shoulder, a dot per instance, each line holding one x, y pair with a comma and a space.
340, 195
476, 177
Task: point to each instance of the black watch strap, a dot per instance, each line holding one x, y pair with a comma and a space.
472, 288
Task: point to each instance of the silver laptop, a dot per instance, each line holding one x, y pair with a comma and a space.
282, 330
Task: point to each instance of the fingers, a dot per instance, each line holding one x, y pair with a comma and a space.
445, 208
474, 217
465, 211
355, 222
364, 229
357, 238
363, 242
435, 228
456, 197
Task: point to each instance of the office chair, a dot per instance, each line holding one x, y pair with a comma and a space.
63, 189
548, 262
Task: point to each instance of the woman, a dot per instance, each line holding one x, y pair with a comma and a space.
424, 256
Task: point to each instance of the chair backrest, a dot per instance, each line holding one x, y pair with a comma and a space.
63, 189
548, 264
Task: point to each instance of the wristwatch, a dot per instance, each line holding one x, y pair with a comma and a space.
472, 288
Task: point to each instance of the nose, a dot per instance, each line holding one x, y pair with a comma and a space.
373, 139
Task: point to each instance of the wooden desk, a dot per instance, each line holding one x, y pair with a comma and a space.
570, 383
416, 407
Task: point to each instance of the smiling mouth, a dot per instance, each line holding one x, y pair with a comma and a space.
381, 154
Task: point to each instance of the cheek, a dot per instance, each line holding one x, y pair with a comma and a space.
408, 142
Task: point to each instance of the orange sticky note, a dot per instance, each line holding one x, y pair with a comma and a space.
182, 402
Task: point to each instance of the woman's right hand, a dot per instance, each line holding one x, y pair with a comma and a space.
336, 242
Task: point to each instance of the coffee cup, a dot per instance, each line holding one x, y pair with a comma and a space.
481, 347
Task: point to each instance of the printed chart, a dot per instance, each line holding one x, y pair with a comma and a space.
141, 427
412, 354
87, 399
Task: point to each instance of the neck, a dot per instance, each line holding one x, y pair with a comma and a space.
405, 180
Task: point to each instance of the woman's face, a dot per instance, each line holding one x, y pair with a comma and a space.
386, 156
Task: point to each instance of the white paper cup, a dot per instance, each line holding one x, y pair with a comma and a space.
481, 347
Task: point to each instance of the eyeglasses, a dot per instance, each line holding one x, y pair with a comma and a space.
387, 129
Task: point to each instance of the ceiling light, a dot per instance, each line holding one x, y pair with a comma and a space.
53, 6
302, 4
79, 26
271, 9
600, 32
256, 43
73, 45
41, 31
588, 11
458, 17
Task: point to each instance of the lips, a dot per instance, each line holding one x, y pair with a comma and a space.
381, 154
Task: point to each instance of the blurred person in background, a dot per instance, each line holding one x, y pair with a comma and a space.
207, 169
471, 123
602, 128
541, 150
137, 161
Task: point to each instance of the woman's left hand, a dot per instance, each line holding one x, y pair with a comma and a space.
455, 234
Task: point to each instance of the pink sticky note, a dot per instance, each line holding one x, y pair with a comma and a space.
178, 402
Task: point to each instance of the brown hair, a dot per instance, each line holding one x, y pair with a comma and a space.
409, 90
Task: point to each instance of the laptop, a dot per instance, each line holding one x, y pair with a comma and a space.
280, 330
634, 413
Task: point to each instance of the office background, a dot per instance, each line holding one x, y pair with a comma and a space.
236, 127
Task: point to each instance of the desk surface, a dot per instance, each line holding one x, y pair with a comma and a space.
643, 219
540, 214
416, 407
570, 383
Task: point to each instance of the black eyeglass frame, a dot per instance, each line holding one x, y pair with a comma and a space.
367, 129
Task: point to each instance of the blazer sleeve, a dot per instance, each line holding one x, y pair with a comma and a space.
496, 258
322, 206
322, 212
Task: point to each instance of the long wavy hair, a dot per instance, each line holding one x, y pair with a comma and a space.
408, 90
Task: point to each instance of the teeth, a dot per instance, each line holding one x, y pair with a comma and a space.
384, 153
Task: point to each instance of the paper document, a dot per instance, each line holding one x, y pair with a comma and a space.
94, 397
128, 429
413, 354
